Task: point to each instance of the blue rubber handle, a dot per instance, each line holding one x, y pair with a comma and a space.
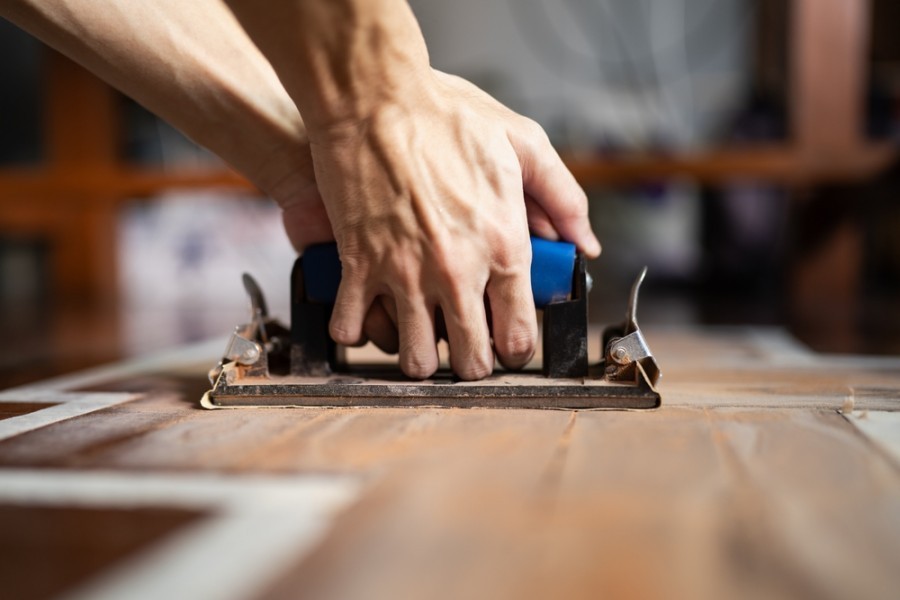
552, 265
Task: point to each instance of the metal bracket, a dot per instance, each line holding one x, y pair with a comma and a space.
625, 346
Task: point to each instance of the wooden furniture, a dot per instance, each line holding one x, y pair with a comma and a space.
828, 62
768, 472
73, 198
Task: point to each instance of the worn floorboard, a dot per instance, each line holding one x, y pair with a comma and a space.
768, 472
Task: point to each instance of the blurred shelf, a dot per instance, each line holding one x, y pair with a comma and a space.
72, 200
52, 185
776, 164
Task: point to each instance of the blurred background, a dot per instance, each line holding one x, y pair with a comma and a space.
746, 151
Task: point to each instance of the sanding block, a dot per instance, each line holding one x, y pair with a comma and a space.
268, 364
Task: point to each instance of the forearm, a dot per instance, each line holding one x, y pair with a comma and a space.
340, 59
423, 177
189, 62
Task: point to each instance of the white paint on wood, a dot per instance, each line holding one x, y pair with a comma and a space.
257, 528
882, 427
191, 359
194, 358
65, 406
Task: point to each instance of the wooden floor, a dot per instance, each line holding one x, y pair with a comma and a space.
770, 472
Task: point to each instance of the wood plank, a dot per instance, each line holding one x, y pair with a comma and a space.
123, 183
47, 550
630, 518
155, 432
251, 525
725, 503
839, 387
829, 53
719, 368
882, 427
788, 163
828, 506
74, 443
683, 502
449, 522
687, 501
354, 440
9, 410
169, 433
757, 367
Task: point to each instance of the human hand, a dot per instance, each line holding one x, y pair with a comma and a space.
426, 199
306, 223
424, 179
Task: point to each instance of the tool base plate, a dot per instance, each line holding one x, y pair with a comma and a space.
373, 388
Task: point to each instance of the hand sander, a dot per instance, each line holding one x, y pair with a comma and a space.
268, 364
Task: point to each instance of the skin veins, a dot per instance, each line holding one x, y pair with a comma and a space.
427, 183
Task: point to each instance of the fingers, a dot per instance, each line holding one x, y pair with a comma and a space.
551, 185
514, 329
353, 324
513, 318
468, 335
379, 327
350, 307
418, 348
539, 222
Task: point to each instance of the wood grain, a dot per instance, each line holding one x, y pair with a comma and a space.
748, 482
710, 504
8, 410
47, 550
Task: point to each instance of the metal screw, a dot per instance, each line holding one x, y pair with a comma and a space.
620, 353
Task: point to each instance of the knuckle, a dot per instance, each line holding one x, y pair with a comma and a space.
460, 286
470, 351
402, 270
477, 367
417, 366
353, 264
511, 253
459, 298
450, 271
579, 204
518, 346
534, 131
448, 260
405, 283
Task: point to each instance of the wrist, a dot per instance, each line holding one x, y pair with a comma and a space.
282, 169
395, 85
389, 67
340, 60
268, 146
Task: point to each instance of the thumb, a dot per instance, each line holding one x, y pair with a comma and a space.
552, 188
